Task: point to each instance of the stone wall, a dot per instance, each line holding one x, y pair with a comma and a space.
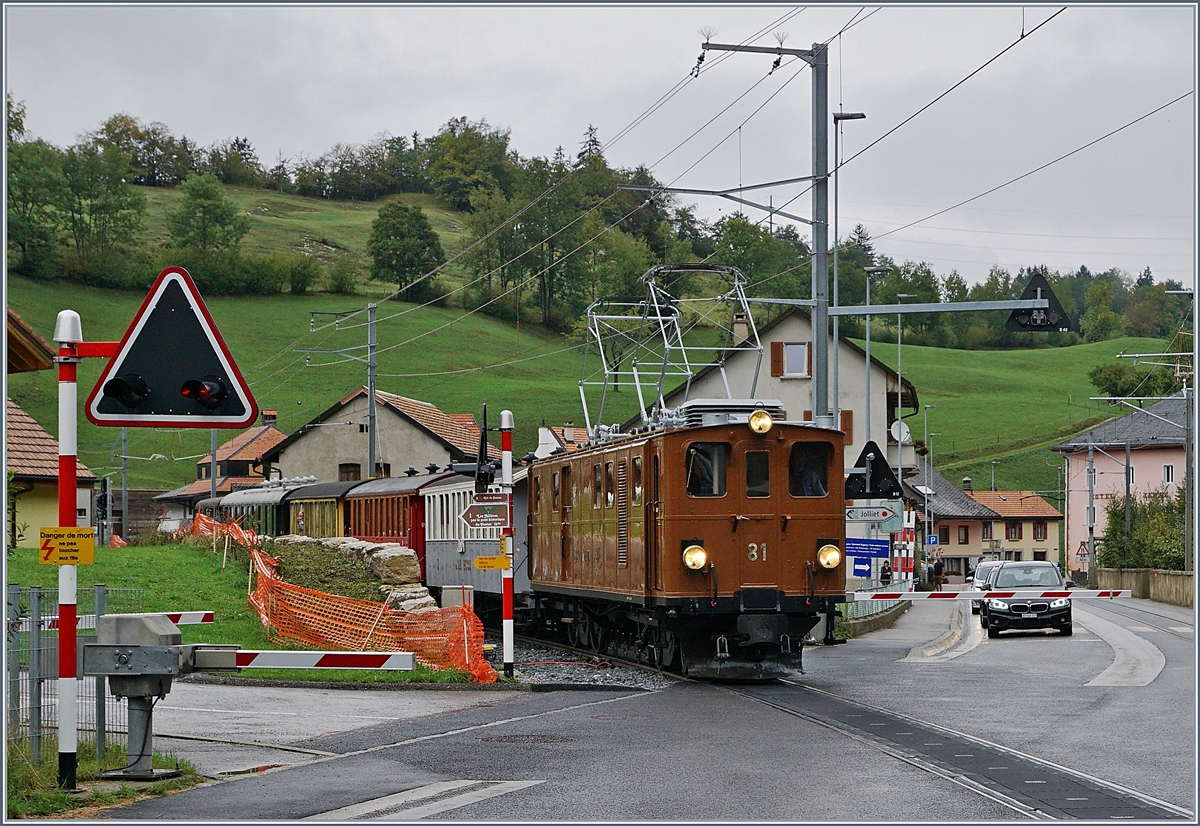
1174, 587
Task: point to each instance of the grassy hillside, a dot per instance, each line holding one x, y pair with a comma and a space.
989, 405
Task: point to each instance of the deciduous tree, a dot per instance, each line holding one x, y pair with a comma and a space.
403, 247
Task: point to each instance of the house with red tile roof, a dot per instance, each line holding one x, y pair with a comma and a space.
554, 439
410, 433
1028, 527
239, 466
32, 455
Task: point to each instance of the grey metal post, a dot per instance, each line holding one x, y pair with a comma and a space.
371, 347
820, 230
1128, 507
1091, 515
212, 466
35, 675
1189, 507
125, 483
14, 667
101, 589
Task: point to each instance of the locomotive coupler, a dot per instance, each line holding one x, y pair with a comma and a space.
722, 647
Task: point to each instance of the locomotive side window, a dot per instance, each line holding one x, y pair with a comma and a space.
706, 466
637, 480
595, 486
808, 469
568, 492
758, 474
537, 494
555, 491
608, 484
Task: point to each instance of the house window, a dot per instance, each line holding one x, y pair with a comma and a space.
349, 472
944, 535
987, 530
383, 470
791, 359
1012, 530
964, 534
1039, 556
1039, 531
1168, 474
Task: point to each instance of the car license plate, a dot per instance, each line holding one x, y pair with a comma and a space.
1028, 616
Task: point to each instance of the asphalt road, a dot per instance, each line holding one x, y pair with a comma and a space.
1114, 702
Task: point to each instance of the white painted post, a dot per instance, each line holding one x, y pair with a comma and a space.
506, 485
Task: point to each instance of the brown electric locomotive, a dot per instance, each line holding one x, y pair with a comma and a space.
710, 546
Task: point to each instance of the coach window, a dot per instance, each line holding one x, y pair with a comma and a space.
608, 484
758, 474
706, 467
596, 486
637, 480
808, 469
537, 494
555, 491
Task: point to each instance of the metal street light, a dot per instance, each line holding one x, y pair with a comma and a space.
870, 271
900, 391
928, 484
838, 117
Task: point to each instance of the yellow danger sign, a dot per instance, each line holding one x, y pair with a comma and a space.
67, 546
492, 563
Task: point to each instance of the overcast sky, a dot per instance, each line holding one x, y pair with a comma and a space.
298, 79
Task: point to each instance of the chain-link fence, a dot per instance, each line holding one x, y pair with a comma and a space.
31, 685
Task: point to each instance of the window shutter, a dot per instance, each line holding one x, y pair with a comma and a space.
810, 351
776, 358
847, 425
808, 415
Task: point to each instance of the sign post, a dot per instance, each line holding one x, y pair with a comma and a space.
506, 485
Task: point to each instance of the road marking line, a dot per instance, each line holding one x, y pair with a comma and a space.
1136, 661
442, 796
1142, 628
1182, 629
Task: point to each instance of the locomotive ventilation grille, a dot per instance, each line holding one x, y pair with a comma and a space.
622, 517
699, 412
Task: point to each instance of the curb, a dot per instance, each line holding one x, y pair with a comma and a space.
943, 642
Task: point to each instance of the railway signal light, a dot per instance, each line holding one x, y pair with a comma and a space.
129, 389
1052, 319
209, 392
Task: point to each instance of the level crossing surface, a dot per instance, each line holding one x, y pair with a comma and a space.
717, 753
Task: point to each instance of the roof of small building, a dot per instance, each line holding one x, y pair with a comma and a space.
560, 434
1015, 504
32, 453
249, 445
27, 350
1159, 425
947, 500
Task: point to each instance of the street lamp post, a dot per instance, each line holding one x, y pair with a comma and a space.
870, 271
928, 480
994, 463
838, 117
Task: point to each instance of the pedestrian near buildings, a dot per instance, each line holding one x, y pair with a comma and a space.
939, 574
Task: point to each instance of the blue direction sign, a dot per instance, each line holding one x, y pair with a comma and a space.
862, 567
868, 547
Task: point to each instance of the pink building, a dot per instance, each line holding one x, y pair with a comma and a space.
1155, 437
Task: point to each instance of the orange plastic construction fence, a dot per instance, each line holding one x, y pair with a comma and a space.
206, 526
449, 637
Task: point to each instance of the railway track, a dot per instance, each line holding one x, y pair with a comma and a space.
1160, 622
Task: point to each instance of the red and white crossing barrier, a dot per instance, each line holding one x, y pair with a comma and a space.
373, 660
1074, 593
88, 621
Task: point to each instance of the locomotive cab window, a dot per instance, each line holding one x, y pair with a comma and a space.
758, 474
596, 492
808, 469
608, 484
706, 468
555, 491
637, 480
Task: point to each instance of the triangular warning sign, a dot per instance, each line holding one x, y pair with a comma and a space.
172, 368
872, 477
1052, 319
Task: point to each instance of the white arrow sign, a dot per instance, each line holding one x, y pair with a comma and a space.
875, 513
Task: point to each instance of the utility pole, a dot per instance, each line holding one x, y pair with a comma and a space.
124, 483
818, 59
348, 352
1091, 514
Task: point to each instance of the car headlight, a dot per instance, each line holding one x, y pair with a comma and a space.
829, 556
1062, 602
997, 605
760, 421
695, 557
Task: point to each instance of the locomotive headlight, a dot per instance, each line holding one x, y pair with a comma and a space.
761, 421
695, 557
829, 556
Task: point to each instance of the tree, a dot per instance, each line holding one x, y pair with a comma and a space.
403, 247
35, 187
206, 220
103, 213
1156, 533
465, 156
1100, 322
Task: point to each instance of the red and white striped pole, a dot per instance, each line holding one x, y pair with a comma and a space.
506, 486
68, 332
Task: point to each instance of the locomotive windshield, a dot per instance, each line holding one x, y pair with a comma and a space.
706, 466
808, 469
